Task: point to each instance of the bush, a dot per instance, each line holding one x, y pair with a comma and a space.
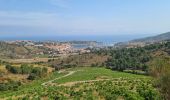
37, 72
11, 85
12, 69
32, 76
34, 72
160, 69
26, 69
164, 84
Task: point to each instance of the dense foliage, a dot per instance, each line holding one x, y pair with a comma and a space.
10, 85
34, 72
134, 58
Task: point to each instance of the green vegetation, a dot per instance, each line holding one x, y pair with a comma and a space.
128, 78
93, 73
34, 72
160, 69
151, 60
119, 86
108, 90
27, 88
83, 60
134, 59
10, 85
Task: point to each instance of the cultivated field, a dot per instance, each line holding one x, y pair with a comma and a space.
86, 83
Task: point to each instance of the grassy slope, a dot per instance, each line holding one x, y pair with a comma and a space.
31, 86
88, 73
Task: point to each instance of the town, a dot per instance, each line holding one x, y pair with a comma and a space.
53, 48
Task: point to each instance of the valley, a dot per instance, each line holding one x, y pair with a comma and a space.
84, 50
119, 73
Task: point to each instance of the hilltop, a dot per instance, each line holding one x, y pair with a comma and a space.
145, 41
158, 38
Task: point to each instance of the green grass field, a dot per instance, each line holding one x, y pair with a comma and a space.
92, 73
118, 86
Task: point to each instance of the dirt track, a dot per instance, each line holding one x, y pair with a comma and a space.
71, 83
48, 82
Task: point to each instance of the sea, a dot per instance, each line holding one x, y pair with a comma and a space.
64, 38
102, 40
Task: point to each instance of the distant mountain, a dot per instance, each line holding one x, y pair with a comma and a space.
158, 38
145, 41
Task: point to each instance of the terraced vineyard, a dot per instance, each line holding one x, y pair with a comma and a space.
87, 84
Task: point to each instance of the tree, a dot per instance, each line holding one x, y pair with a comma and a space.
26, 69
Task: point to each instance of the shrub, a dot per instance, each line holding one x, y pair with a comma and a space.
32, 76
12, 69
10, 85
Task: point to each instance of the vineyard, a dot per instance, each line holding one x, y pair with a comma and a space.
87, 84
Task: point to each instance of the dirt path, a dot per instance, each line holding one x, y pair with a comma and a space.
72, 83
48, 82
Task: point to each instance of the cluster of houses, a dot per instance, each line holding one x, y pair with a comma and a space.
51, 48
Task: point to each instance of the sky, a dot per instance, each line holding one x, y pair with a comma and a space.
83, 17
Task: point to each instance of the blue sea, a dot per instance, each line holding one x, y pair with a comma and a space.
98, 38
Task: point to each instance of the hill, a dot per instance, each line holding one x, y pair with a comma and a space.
158, 38
12, 51
127, 80
145, 41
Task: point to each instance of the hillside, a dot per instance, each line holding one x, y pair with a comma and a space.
13, 51
158, 38
103, 74
86, 84
145, 41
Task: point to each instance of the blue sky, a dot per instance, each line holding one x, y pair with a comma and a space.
83, 17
